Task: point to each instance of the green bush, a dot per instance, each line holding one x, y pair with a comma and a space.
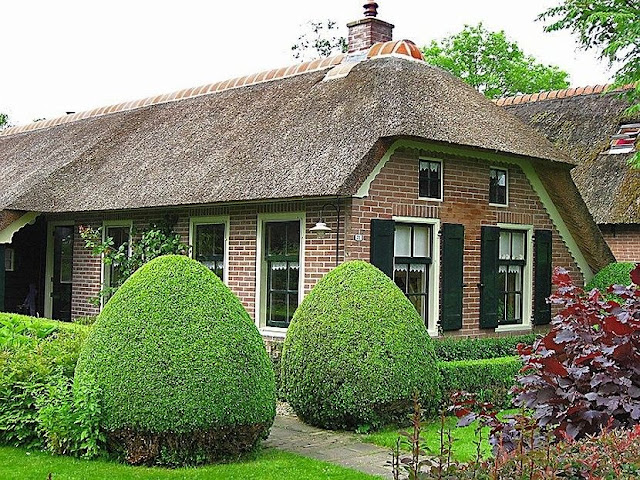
489, 379
183, 372
612, 274
356, 352
450, 349
34, 354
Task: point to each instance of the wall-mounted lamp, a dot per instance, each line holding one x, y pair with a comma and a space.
321, 228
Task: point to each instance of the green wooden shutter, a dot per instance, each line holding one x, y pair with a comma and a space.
543, 267
2, 277
490, 244
452, 286
382, 232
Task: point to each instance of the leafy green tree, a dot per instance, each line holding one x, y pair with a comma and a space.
492, 63
319, 40
612, 27
4, 120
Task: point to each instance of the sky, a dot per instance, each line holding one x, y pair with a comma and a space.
74, 55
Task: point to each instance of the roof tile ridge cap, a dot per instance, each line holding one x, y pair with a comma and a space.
198, 91
559, 94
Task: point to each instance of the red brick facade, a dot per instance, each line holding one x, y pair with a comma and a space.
393, 193
624, 241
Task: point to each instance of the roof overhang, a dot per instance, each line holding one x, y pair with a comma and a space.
6, 234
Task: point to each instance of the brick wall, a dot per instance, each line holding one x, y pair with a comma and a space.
320, 254
394, 192
624, 241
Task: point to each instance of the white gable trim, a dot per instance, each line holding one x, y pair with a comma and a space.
524, 164
6, 235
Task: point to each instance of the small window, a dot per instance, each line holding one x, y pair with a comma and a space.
120, 236
9, 260
498, 186
412, 260
511, 264
282, 262
208, 246
430, 183
625, 140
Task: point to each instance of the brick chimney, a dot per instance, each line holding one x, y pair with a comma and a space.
364, 33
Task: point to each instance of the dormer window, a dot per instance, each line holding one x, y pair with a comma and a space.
625, 140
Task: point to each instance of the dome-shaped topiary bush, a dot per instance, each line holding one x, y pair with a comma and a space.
182, 371
356, 352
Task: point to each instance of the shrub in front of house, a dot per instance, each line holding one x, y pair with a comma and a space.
613, 274
583, 375
182, 370
450, 349
356, 352
35, 354
489, 379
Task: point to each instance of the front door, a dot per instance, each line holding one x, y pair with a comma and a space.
61, 272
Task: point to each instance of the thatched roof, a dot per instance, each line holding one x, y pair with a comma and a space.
293, 137
581, 125
313, 130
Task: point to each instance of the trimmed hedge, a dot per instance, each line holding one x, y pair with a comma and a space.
356, 351
489, 379
612, 274
456, 349
35, 353
183, 371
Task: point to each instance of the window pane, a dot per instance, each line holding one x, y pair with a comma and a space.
294, 274
219, 269
505, 246
293, 238
517, 243
417, 279
209, 241
429, 179
277, 309
498, 186
510, 316
421, 241
277, 238
278, 272
293, 304
418, 301
514, 283
402, 241
400, 276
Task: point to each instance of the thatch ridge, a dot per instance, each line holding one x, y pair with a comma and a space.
581, 126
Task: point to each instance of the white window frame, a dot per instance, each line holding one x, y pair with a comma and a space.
506, 169
434, 273
527, 281
261, 271
441, 162
217, 220
106, 224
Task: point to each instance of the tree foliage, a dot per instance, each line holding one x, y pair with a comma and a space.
493, 64
319, 40
4, 120
612, 28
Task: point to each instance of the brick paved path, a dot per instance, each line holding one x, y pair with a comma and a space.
342, 448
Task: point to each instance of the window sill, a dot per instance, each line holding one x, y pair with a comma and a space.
522, 327
429, 199
500, 205
273, 332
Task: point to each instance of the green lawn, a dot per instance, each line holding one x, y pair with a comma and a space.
20, 464
463, 450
